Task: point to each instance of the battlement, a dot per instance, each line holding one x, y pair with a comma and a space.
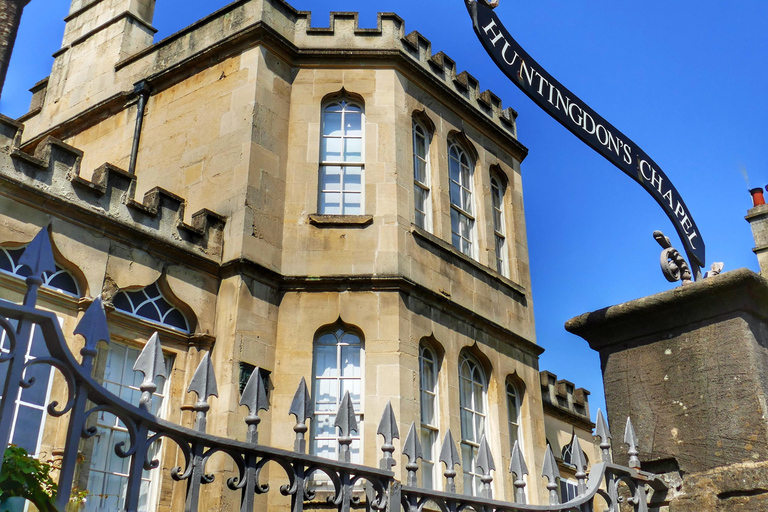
273, 23
563, 395
54, 172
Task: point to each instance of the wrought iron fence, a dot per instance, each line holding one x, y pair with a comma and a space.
617, 486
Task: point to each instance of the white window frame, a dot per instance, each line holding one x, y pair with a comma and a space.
513, 420
153, 490
152, 300
339, 332
22, 403
462, 207
471, 373
48, 277
499, 225
569, 489
430, 432
343, 163
419, 186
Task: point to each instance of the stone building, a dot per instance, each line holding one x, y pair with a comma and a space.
358, 223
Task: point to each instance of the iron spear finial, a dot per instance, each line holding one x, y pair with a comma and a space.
602, 431
203, 383
518, 467
485, 463
151, 364
631, 439
347, 423
93, 327
552, 474
412, 450
388, 430
38, 255
301, 407
255, 399
450, 457
578, 460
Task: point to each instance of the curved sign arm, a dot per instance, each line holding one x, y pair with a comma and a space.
586, 124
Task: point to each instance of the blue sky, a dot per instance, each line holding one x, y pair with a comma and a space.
684, 80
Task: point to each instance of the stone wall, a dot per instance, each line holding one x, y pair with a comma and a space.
690, 366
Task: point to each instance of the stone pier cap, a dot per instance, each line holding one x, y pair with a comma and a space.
738, 290
690, 366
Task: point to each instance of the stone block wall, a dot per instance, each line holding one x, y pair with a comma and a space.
690, 366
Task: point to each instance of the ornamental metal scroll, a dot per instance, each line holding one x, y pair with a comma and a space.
86, 396
585, 123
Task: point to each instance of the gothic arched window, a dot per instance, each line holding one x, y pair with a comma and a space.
337, 359
473, 389
500, 240
61, 280
428, 368
341, 159
148, 303
460, 170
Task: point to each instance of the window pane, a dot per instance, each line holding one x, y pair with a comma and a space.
353, 386
330, 178
331, 150
330, 203
353, 179
28, 424
350, 361
420, 170
353, 150
427, 409
325, 361
327, 395
420, 220
455, 192
37, 393
352, 204
427, 475
353, 121
332, 123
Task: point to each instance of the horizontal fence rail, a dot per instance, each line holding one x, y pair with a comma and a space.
616, 486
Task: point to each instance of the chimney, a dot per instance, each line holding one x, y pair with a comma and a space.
757, 216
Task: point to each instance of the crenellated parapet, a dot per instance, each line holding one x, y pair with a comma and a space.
242, 24
563, 396
51, 175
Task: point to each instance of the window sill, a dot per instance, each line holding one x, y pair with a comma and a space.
451, 250
340, 221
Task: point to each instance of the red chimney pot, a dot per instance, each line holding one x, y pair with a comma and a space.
757, 196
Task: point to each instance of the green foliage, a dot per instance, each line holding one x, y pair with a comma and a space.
26, 477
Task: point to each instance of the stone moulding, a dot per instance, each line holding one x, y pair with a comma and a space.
54, 171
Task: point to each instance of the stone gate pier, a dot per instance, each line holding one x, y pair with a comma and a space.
690, 366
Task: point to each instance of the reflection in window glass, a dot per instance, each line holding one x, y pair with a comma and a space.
430, 473
462, 217
337, 359
497, 198
341, 160
422, 205
513, 415
108, 473
472, 395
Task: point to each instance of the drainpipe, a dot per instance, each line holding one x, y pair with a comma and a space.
142, 89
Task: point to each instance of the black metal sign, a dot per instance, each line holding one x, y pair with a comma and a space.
585, 123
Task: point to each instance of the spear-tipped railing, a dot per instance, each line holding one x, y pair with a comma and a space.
86, 397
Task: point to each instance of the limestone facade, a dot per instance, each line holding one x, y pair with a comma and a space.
233, 129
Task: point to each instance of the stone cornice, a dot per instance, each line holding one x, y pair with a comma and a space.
396, 283
730, 293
